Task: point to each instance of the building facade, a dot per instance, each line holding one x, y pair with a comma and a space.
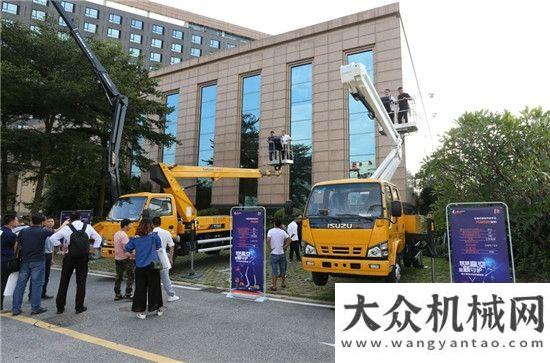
226, 104
160, 34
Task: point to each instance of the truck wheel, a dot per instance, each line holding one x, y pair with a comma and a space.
319, 279
395, 274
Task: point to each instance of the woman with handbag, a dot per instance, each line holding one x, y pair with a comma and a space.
147, 275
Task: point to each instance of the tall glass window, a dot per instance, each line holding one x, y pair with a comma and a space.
171, 128
301, 117
207, 131
362, 129
250, 133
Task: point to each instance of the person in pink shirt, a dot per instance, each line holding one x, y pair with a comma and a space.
124, 261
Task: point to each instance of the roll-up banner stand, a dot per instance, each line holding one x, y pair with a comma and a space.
247, 261
480, 243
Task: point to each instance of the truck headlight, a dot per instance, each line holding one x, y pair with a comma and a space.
310, 250
379, 251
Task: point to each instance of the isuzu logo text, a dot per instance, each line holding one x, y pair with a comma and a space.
340, 225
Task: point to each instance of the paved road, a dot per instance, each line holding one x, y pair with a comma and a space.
204, 326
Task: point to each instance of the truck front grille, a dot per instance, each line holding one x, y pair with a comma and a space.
342, 250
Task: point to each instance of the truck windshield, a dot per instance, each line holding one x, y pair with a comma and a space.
345, 201
130, 208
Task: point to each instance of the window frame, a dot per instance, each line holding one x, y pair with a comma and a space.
114, 30
172, 57
132, 40
64, 6
214, 40
130, 49
194, 55
163, 201
86, 14
177, 30
158, 46
154, 60
36, 11
176, 51
134, 21
156, 26
195, 36
113, 15
86, 30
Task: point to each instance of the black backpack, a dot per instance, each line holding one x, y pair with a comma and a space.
79, 245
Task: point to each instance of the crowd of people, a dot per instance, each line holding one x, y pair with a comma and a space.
279, 241
399, 105
139, 259
142, 259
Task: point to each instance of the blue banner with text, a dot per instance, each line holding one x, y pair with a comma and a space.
247, 252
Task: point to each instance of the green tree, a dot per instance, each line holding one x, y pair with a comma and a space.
250, 133
300, 174
498, 157
53, 109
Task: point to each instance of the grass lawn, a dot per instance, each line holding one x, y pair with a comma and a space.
213, 270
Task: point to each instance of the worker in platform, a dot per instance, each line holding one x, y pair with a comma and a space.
271, 143
403, 100
285, 142
389, 103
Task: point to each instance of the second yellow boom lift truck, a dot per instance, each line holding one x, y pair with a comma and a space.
209, 234
357, 226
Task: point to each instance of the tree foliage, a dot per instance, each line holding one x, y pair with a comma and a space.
498, 157
56, 119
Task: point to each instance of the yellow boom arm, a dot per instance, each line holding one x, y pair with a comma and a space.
166, 176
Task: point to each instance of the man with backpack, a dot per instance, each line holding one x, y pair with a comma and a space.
75, 237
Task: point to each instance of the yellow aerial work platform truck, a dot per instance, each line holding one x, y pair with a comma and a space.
178, 214
356, 226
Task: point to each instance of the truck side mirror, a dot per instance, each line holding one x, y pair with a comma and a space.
396, 208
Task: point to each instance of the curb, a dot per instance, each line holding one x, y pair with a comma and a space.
287, 298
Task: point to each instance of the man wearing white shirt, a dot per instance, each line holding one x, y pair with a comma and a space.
285, 140
71, 263
292, 231
167, 241
278, 240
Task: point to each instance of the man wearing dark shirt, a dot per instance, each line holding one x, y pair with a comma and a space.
8, 248
403, 101
271, 144
31, 242
389, 101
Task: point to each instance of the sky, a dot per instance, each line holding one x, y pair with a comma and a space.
469, 55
